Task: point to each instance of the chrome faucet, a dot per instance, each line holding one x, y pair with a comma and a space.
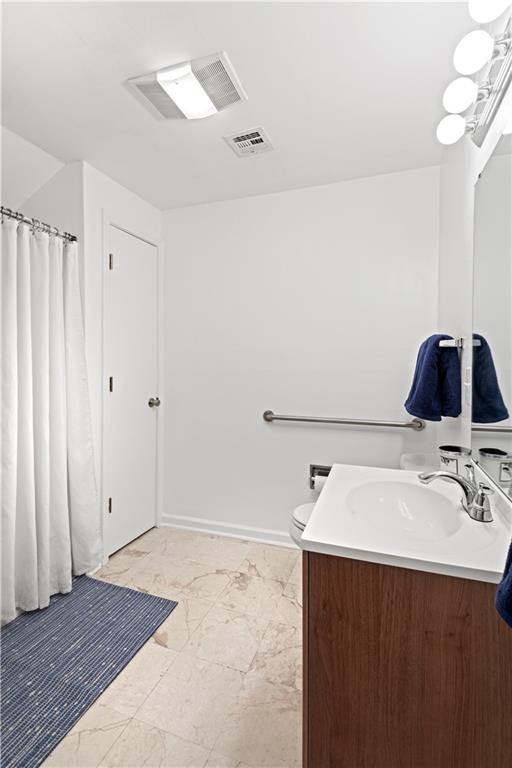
475, 500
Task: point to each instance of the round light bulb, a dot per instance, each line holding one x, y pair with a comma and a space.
451, 129
484, 11
473, 52
460, 95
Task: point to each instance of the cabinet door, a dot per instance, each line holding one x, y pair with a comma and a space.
404, 669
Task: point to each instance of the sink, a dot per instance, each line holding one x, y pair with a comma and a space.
388, 516
405, 509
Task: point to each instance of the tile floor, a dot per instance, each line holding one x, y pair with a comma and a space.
219, 685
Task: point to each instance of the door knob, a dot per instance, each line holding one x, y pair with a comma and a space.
154, 402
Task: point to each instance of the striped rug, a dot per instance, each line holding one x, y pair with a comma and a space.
56, 662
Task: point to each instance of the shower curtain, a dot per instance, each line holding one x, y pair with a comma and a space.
50, 510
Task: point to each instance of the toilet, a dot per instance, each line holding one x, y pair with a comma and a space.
300, 517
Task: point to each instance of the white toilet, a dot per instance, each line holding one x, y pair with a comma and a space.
300, 517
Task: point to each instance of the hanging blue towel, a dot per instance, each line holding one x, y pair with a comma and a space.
488, 405
436, 387
504, 592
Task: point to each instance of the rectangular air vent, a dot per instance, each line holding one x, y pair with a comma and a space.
251, 142
216, 75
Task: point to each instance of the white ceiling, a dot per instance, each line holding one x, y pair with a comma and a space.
344, 90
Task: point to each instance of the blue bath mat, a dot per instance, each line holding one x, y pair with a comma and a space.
57, 661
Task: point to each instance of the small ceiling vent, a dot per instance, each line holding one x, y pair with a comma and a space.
251, 142
214, 73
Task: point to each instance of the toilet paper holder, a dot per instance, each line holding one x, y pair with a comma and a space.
317, 470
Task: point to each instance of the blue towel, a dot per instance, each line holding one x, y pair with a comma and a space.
488, 405
504, 592
436, 387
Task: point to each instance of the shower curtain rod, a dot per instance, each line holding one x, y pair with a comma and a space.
36, 224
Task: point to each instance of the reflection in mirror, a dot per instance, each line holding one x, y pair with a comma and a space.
492, 317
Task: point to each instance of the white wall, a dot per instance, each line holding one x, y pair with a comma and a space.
25, 168
312, 301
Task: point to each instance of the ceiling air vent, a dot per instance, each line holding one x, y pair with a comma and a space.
214, 73
251, 142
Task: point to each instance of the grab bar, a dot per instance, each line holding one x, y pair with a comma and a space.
491, 429
416, 424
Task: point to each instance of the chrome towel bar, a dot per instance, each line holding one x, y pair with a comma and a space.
458, 343
416, 424
491, 429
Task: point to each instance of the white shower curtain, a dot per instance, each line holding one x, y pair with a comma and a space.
50, 510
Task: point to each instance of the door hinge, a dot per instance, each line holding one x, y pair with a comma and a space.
110, 383
110, 505
111, 261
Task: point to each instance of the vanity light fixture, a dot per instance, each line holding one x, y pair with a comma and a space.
450, 129
460, 95
473, 52
485, 11
478, 50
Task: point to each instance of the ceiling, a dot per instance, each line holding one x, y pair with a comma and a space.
344, 90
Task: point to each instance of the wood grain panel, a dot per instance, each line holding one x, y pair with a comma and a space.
404, 669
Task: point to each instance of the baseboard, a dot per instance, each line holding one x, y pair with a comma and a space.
261, 535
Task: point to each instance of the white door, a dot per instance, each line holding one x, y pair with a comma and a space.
131, 377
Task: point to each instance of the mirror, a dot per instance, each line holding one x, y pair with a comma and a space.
492, 318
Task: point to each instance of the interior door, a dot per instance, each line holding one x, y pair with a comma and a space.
131, 397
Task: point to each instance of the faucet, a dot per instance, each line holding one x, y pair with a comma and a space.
475, 500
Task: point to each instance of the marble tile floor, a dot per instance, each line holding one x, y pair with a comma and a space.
219, 685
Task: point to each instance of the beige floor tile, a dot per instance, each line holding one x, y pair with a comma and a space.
227, 638
270, 562
173, 578
216, 551
265, 726
220, 761
296, 574
177, 629
143, 745
128, 691
119, 565
194, 709
289, 609
253, 595
239, 609
90, 739
279, 657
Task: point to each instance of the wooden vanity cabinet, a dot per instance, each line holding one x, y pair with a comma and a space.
403, 669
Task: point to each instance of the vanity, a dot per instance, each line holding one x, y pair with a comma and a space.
406, 662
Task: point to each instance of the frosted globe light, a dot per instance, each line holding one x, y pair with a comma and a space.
473, 52
451, 129
460, 95
484, 11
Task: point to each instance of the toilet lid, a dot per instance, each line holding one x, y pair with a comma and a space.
301, 515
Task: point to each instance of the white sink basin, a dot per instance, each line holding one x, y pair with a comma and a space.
388, 516
404, 509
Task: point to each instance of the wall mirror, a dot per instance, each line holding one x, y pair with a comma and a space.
492, 318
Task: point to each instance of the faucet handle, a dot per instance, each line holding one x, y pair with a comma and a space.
470, 472
481, 506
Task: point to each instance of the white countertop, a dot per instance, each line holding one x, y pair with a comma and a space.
468, 549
